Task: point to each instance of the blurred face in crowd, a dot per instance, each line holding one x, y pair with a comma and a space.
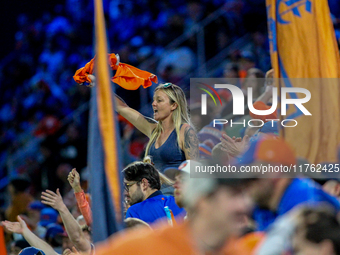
178, 186
302, 246
260, 191
161, 106
224, 212
134, 192
14, 250
34, 215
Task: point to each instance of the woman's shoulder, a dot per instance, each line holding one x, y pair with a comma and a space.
186, 128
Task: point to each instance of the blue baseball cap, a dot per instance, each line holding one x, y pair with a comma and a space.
31, 251
37, 205
53, 230
48, 216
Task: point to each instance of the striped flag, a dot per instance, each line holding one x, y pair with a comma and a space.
104, 152
303, 45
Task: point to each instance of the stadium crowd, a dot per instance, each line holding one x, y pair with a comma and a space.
276, 215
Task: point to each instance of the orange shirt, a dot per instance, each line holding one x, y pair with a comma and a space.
18, 205
165, 240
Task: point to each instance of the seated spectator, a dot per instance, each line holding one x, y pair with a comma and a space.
181, 174
216, 206
147, 202
33, 217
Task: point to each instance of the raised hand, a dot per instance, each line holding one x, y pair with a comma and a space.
52, 199
15, 227
74, 180
71, 252
234, 146
93, 80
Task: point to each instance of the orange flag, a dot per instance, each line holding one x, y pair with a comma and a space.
303, 45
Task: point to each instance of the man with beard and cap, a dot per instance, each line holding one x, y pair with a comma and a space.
179, 175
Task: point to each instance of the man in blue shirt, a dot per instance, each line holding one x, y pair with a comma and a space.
296, 191
142, 183
277, 193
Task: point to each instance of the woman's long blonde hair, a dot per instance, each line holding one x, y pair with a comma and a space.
179, 116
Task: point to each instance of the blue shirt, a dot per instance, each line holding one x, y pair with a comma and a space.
298, 192
152, 208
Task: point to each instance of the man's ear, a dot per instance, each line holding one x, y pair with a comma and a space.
144, 184
337, 190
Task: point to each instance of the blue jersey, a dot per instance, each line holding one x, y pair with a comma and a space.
152, 208
298, 192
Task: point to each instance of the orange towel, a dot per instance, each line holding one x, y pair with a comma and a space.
127, 76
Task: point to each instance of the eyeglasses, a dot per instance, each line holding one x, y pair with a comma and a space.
128, 185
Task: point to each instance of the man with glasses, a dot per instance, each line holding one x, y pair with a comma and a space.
142, 184
217, 207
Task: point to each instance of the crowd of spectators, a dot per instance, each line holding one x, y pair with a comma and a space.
39, 93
